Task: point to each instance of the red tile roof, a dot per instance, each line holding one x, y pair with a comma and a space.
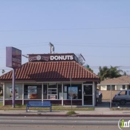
51, 71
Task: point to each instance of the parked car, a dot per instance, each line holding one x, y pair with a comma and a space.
122, 97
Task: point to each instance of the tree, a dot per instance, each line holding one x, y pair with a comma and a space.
103, 72
87, 67
3, 71
112, 72
124, 73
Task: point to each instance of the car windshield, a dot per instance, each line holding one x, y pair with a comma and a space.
123, 92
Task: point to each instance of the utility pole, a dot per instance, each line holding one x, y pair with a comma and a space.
110, 96
71, 90
13, 88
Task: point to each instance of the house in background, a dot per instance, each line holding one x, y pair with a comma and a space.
110, 87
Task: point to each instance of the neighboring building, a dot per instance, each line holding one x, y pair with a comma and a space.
55, 77
110, 87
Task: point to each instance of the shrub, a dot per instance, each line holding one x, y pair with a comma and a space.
71, 112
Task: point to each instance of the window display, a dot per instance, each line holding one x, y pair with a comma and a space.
18, 91
32, 92
76, 91
73, 92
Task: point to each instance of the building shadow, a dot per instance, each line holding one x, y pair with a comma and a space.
48, 76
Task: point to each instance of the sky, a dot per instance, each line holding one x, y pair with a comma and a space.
98, 29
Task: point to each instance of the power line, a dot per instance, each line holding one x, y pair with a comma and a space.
109, 56
61, 29
119, 66
45, 43
69, 42
74, 45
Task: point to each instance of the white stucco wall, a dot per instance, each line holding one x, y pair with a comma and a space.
103, 87
117, 87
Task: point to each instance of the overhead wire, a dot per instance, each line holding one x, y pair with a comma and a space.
61, 29
110, 45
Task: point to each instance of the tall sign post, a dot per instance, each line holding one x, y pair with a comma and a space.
71, 91
13, 60
111, 96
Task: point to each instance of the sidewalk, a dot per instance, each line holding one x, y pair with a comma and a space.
94, 113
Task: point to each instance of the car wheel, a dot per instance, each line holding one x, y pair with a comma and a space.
122, 102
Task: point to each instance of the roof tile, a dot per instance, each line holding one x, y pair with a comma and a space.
51, 71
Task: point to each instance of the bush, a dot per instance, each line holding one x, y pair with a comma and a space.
71, 113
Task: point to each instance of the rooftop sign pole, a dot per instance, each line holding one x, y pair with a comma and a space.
13, 60
52, 48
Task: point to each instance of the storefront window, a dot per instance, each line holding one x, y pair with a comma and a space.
74, 91
45, 91
8, 91
32, 91
59, 91
52, 91
65, 89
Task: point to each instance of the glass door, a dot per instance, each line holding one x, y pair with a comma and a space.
87, 94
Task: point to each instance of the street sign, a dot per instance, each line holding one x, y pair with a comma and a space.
13, 60
13, 57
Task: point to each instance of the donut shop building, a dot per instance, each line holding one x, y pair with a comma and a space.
55, 77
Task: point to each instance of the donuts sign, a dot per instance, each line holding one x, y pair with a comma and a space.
61, 57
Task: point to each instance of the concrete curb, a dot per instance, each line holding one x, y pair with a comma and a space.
64, 115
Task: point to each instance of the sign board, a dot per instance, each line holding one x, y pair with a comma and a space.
52, 96
13, 57
62, 57
51, 57
39, 58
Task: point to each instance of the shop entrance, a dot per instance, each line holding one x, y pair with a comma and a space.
87, 94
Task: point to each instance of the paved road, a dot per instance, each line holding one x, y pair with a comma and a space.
59, 120
58, 123
57, 127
